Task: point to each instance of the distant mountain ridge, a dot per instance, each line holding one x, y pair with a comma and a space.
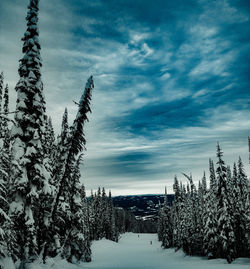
145, 205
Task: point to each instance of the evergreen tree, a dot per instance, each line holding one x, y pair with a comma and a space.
213, 181
29, 177
193, 215
92, 226
210, 221
113, 232
214, 221
77, 242
61, 149
71, 148
176, 215
98, 214
75, 143
86, 248
105, 218
226, 236
235, 175
166, 224
240, 210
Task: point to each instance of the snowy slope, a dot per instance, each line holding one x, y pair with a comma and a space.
137, 253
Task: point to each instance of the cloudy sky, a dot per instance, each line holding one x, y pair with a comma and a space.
171, 79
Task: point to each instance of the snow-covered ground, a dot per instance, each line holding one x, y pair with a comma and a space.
133, 252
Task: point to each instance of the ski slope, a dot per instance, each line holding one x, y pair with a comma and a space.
133, 252
137, 253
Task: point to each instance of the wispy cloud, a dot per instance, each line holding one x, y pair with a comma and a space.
171, 79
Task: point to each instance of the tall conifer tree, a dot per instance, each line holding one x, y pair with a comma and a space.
28, 177
226, 236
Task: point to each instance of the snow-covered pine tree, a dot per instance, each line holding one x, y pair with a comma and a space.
76, 141
193, 218
78, 236
235, 175
50, 152
204, 184
49, 138
86, 248
188, 243
28, 178
61, 149
233, 186
213, 180
160, 224
92, 226
74, 144
183, 216
226, 236
113, 233
166, 222
230, 185
176, 215
210, 222
240, 211
105, 217
98, 214
55, 154
201, 213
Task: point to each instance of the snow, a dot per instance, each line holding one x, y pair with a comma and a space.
7, 263
133, 252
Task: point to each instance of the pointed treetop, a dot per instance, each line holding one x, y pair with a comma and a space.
221, 164
220, 155
165, 197
31, 46
78, 140
204, 182
110, 198
64, 126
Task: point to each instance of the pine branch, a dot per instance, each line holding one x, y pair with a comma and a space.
188, 177
6, 118
76, 103
9, 112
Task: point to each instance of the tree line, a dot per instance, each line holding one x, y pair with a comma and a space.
210, 221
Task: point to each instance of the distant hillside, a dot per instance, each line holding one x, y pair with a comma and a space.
146, 206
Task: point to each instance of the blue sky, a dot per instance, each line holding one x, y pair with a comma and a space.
171, 79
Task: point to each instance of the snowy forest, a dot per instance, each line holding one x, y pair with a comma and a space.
44, 210
43, 206
213, 221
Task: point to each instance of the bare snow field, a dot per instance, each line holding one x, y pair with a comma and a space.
133, 252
